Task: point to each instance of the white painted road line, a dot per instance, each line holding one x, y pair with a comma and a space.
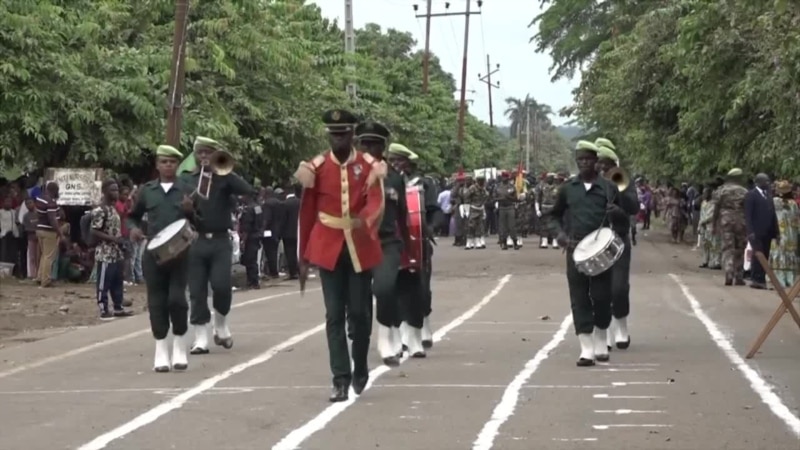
621, 412
626, 396
565, 386
631, 425
639, 383
575, 439
617, 369
505, 409
117, 340
296, 437
209, 383
758, 384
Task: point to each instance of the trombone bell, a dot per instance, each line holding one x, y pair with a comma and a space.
619, 177
221, 163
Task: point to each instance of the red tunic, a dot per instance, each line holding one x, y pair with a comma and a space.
341, 193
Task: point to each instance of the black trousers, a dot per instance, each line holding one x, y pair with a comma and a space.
412, 297
763, 245
270, 248
22, 257
209, 262
250, 260
620, 283
348, 298
589, 297
386, 285
427, 275
166, 295
290, 250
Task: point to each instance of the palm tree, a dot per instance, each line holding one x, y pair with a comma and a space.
517, 111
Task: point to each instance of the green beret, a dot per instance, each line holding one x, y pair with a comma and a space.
200, 142
401, 150
587, 146
735, 172
606, 143
604, 152
339, 120
169, 151
370, 129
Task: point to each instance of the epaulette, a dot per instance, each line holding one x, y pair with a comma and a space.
306, 172
379, 169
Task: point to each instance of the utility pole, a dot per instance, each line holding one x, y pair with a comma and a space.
528, 139
350, 47
488, 80
427, 57
466, 14
537, 148
177, 75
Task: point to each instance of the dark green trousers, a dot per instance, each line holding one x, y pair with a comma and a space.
166, 295
348, 297
621, 287
507, 222
427, 292
210, 263
385, 285
589, 298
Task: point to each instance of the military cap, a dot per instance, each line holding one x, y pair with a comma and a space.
371, 129
606, 143
339, 120
605, 152
736, 172
401, 150
200, 142
586, 146
168, 151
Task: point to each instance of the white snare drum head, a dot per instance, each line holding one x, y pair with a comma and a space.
166, 234
593, 243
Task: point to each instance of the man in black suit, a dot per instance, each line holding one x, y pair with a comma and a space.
291, 209
273, 224
762, 226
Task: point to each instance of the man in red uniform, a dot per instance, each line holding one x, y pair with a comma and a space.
340, 212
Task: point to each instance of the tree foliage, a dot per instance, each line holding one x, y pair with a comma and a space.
84, 83
530, 124
687, 88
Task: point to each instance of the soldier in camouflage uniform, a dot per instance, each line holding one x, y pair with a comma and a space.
476, 221
729, 219
457, 195
544, 201
505, 195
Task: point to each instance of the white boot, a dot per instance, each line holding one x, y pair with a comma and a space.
388, 354
415, 348
555, 244
161, 363
180, 359
509, 242
396, 341
621, 336
427, 335
470, 244
543, 243
610, 335
587, 350
404, 331
519, 242
482, 240
202, 335
600, 344
222, 334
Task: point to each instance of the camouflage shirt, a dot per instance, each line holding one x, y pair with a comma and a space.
106, 219
477, 196
505, 194
547, 194
730, 200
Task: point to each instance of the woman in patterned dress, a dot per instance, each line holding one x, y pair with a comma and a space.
709, 240
784, 257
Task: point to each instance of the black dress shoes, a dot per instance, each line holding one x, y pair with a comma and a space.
339, 393
359, 383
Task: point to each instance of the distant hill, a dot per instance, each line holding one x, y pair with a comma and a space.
570, 132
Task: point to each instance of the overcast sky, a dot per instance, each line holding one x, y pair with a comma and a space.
501, 30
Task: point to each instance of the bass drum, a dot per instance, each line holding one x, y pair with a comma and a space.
411, 259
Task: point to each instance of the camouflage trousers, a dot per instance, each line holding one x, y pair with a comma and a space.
734, 242
476, 223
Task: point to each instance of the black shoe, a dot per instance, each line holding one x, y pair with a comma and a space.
427, 344
624, 345
391, 361
583, 362
602, 358
106, 315
122, 313
338, 394
359, 383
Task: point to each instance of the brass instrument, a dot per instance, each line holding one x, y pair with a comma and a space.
220, 163
619, 177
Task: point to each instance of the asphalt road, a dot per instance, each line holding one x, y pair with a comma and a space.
501, 375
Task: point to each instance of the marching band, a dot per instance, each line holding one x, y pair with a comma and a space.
367, 221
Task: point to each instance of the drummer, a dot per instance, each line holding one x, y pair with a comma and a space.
210, 255
620, 278
393, 233
583, 205
165, 200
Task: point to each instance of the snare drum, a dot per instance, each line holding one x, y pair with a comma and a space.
598, 252
172, 241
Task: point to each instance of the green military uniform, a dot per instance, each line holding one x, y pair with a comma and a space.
210, 256
579, 210
476, 219
620, 273
543, 202
729, 220
505, 194
166, 283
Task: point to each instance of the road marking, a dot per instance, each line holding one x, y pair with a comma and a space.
565, 386
117, 340
629, 364
639, 383
299, 435
505, 409
174, 403
575, 439
626, 396
620, 412
614, 369
758, 384
506, 331
631, 425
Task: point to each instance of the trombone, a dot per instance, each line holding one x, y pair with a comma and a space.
619, 177
221, 163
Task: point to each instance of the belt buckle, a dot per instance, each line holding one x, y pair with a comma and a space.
208, 235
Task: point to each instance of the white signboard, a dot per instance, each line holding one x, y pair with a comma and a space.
77, 187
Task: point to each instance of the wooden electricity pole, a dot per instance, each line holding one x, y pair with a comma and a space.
488, 80
427, 57
177, 74
350, 47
